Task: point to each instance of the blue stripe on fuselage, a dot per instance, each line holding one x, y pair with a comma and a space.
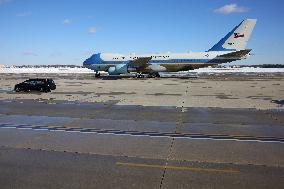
177, 61
180, 61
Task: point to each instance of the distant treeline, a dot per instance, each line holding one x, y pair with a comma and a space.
270, 66
253, 66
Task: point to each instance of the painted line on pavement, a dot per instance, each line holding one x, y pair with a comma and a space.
177, 167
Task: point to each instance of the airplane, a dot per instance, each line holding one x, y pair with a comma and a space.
230, 48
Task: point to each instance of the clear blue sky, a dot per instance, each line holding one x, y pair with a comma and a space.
69, 31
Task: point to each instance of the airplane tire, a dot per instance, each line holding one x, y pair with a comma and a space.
97, 75
154, 75
17, 89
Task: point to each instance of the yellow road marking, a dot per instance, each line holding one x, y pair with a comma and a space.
177, 167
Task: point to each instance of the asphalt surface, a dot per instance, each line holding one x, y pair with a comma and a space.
63, 144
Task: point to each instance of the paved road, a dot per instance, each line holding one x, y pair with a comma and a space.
80, 145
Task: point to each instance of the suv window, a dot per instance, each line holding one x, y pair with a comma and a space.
39, 82
50, 81
30, 82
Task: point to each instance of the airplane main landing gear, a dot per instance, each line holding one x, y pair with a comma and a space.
154, 75
139, 75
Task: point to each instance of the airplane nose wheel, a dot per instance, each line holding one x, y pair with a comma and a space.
97, 74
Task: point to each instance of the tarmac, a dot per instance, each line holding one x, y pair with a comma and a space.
205, 132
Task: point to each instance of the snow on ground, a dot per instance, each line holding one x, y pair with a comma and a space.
45, 70
238, 70
86, 70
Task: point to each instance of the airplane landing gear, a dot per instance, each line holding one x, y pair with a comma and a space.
139, 75
154, 75
97, 74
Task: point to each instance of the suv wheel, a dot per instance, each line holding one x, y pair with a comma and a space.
47, 90
17, 89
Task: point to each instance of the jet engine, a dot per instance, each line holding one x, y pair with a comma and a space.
156, 68
118, 69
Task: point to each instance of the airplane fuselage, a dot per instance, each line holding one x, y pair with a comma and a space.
162, 62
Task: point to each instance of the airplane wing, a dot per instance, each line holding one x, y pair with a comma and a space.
141, 62
237, 54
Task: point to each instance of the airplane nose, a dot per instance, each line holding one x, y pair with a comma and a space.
87, 62
94, 59
84, 63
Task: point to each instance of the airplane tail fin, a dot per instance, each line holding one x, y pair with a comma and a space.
237, 39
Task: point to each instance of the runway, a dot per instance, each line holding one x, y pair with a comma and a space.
92, 141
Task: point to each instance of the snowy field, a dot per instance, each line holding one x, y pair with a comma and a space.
85, 70
238, 70
45, 70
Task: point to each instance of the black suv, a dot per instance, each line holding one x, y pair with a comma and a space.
42, 85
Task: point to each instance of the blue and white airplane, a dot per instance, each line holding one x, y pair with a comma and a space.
230, 48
